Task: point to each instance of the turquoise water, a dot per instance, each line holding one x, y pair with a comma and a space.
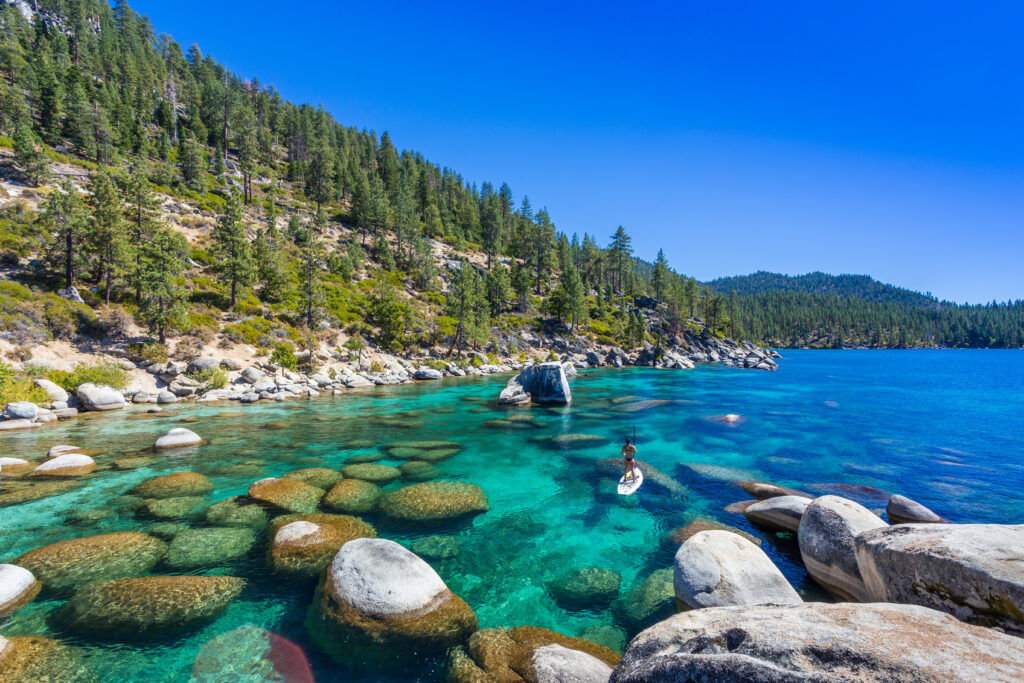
942, 427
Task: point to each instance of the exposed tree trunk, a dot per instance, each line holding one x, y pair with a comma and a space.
68, 256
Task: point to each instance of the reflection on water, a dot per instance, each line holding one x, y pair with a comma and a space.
934, 426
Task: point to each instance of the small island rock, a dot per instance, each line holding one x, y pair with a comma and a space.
179, 437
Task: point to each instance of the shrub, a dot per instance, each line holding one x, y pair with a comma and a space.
20, 353
113, 321
154, 352
211, 378
14, 388
110, 374
436, 364
375, 366
284, 357
186, 350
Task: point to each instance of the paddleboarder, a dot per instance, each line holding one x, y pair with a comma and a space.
628, 451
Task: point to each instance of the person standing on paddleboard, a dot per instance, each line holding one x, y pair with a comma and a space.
628, 451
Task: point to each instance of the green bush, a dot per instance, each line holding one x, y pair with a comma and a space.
284, 357
100, 373
154, 352
211, 378
14, 388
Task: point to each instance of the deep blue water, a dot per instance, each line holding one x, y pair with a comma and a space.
942, 427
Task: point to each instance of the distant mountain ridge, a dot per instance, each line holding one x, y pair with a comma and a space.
862, 287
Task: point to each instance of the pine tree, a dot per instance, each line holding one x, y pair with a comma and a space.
192, 162
142, 213
499, 289
661, 274
108, 230
267, 253
232, 246
311, 289
163, 261
575, 297
63, 213
389, 315
621, 249
467, 303
320, 176
29, 156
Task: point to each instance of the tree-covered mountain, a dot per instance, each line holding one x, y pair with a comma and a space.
861, 287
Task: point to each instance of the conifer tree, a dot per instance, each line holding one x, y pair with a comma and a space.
63, 213
389, 315
108, 230
267, 253
661, 274
499, 289
320, 176
29, 156
575, 297
467, 303
620, 249
311, 289
163, 261
142, 213
232, 246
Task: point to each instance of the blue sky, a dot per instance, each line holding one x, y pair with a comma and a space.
880, 138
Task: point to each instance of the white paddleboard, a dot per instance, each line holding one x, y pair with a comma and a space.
628, 487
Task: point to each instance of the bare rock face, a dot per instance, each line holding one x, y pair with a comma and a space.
720, 568
902, 510
780, 512
827, 532
544, 383
819, 642
972, 571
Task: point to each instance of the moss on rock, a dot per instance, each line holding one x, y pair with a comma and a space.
287, 494
649, 601
434, 501
237, 511
320, 477
78, 561
585, 587
182, 507
35, 659
353, 496
306, 545
148, 606
174, 485
377, 474
26, 493
209, 546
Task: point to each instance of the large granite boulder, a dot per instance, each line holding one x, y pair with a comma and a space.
371, 472
55, 392
816, 641
237, 511
99, 397
585, 587
827, 532
353, 496
306, 545
544, 383
21, 410
648, 601
36, 659
202, 364
434, 501
148, 606
67, 465
902, 510
779, 512
78, 561
972, 571
320, 477
208, 546
721, 569
17, 588
763, 490
179, 437
380, 603
287, 494
527, 653
175, 484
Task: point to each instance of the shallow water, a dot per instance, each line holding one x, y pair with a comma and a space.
942, 427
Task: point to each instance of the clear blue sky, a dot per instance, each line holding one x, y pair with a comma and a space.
876, 137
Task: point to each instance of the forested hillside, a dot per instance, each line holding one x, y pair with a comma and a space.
856, 286
175, 195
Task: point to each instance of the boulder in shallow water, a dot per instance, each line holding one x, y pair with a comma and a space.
418, 470
827, 532
237, 511
434, 501
99, 397
78, 561
371, 472
250, 653
320, 477
817, 641
781, 512
527, 653
21, 410
62, 449
585, 587
36, 492
649, 601
179, 437
972, 571
682, 534
287, 494
148, 606
763, 491
17, 588
438, 547
34, 659
544, 383
902, 510
207, 547
179, 507
306, 546
174, 485
353, 496
68, 465
11, 465
720, 569
380, 603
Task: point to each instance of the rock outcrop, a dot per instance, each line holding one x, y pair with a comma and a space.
380, 603
816, 641
902, 510
827, 532
972, 571
779, 512
721, 569
544, 383
99, 397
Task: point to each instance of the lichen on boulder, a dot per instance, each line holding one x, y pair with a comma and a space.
434, 501
148, 606
174, 485
287, 494
79, 561
353, 496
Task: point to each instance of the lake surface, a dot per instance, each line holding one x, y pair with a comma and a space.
942, 427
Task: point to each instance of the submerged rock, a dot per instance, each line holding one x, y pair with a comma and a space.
648, 601
179, 507
78, 561
782, 512
206, 547
827, 532
418, 470
320, 477
438, 547
764, 491
902, 510
434, 501
287, 494
972, 571
578, 440
174, 485
527, 653
371, 472
720, 568
67, 465
652, 475
353, 496
380, 603
306, 546
681, 535
148, 606
250, 653
14, 465
237, 511
17, 588
585, 587
179, 437
35, 659
817, 641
